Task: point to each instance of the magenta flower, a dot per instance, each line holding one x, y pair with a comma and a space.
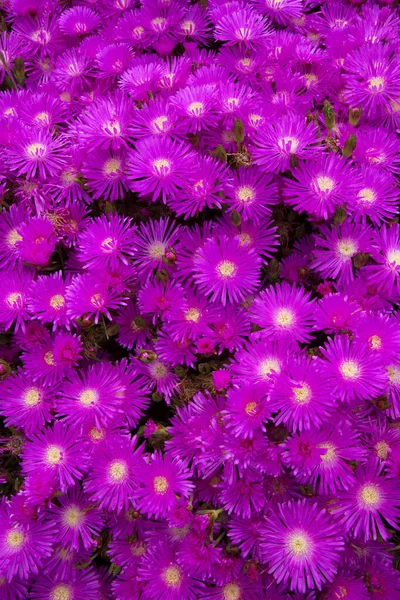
279, 145
370, 499
58, 452
158, 167
111, 481
301, 396
226, 270
26, 404
302, 545
23, 548
77, 521
352, 370
284, 312
160, 480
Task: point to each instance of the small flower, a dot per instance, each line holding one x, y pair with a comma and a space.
277, 144
58, 452
301, 545
301, 397
370, 499
107, 242
77, 521
24, 403
23, 548
226, 270
158, 167
246, 410
285, 312
111, 481
38, 241
47, 301
160, 480
352, 370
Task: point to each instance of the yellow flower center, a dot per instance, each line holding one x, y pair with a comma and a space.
289, 144
65, 96
349, 369
96, 301
57, 302
393, 257
284, 318
161, 484
43, 117
394, 374
302, 393
138, 548
267, 366
61, 592
157, 250
112, 127
226, 269
244, 62
96, 435
2, 581
54, 455
367, 195
73, 516
158, 370
375, 342
369, 495
162, 166
138, 32
341, 592
112, 166
245, 194
88, 397
255, 119
330, 454
49, 359
158, 123
376, 84
193, 314
347, 248
310, 79
298, 543
172, 576
195, 107
231, 591
118, 470
382, 450
14, 299
158, 21
232, 103
251, 409
35, 150
15, 539
13, 237
188, 27
32, 397
325, 184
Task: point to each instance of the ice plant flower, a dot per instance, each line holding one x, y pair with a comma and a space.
303, 545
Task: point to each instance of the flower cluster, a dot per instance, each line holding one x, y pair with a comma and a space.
199, 291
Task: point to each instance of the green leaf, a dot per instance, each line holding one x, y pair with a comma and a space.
355, 115
329, 115
349, 145
238, 131
220, 153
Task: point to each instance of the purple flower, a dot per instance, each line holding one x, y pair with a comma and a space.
302, 545
58, 452
285, 312
226, 270
160, 480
